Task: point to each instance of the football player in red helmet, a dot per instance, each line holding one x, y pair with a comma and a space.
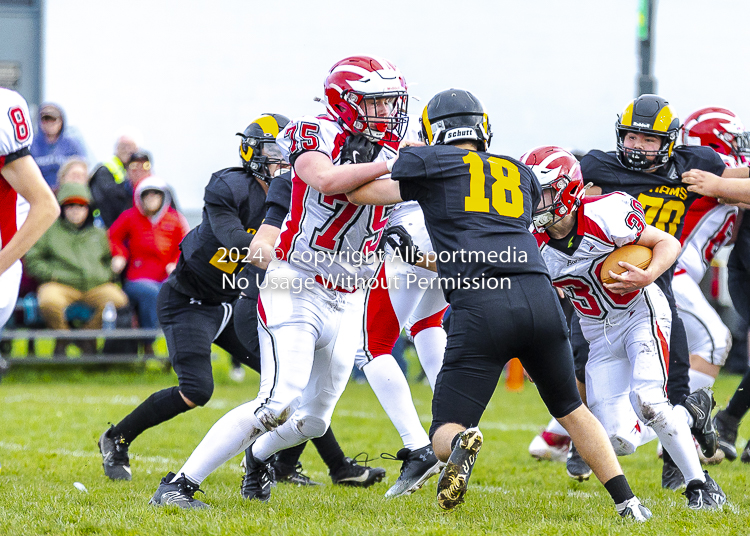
368, 96
626, 323
559, 173
311, 341
719, 129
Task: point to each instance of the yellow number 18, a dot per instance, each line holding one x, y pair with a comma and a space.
507, 181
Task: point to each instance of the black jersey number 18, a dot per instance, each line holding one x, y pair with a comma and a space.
507, 197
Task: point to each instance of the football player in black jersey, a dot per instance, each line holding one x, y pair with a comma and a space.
648, 166
194, 306
478, 208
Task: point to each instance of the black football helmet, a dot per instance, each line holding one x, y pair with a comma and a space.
258, 146
455, 115
648, 114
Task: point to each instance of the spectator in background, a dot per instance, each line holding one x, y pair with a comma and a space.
74, 170
110, 188
72, 263
147, 239
52, 146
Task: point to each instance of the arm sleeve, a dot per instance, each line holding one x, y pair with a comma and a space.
223, 215
408, 170
16, 155
278, 200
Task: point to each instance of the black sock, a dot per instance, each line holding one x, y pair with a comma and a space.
454, 441
159, 407
619, 489
329, 450
740, 401
286, 460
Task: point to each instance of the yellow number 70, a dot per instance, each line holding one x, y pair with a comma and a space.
507, 181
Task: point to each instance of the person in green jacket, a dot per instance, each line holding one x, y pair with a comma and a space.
72, 263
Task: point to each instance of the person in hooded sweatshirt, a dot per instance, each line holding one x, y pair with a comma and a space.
72, 263
53, 146
146, 239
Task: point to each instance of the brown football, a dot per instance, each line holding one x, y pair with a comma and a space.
634, 254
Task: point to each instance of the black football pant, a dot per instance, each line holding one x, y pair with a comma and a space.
524, 321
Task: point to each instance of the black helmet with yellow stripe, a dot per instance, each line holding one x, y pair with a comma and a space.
650, 115
455, 115
258, 147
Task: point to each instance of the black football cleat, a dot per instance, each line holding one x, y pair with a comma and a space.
256, 484
454, 480
699, 404
178, 493
115, 458
575, 466
350, 473
417, 467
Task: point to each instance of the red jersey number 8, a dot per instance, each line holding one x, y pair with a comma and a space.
20, 124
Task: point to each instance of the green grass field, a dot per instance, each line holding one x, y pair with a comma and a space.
51, 420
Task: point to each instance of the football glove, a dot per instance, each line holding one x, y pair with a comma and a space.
401, 241
359, 150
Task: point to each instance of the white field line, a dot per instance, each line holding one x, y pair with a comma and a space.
218, 403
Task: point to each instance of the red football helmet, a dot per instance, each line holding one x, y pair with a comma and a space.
559, 173
368, 95
719, 129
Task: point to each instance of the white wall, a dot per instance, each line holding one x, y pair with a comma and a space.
189, 74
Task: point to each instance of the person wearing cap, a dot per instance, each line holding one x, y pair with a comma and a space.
54, 146
146, 238
72, 263
111, 186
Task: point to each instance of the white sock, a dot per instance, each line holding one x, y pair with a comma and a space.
699, 379
555, 427
231, 434
674, 434
285, 436
688, 418
430, 345
390, 386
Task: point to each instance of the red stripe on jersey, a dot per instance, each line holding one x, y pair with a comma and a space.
261, 312
588, 226
8, 206
293, 226
541, 238
381, 320
664, 347
432, 321
695, 213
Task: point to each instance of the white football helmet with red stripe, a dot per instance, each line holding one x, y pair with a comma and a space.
559, 173
368, 96
719, 129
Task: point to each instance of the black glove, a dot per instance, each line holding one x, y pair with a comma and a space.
401, 241
359, 150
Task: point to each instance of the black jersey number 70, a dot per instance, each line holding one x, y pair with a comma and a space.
506, 197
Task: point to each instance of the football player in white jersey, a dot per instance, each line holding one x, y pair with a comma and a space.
27, 205
709, 225
402, 298
311, 302
627, 323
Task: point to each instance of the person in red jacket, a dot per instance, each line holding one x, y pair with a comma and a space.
146, 238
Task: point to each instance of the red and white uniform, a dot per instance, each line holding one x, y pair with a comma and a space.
397, 301
327, 227
708, 227
15, 138
628, 335
309, 333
